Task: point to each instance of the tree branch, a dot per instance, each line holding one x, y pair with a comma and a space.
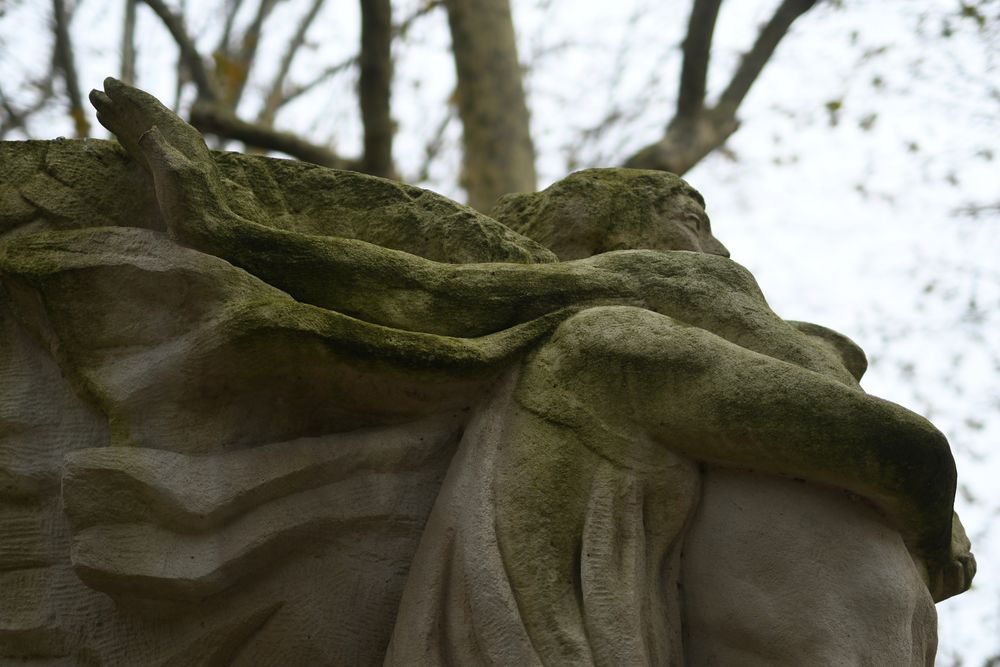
686, 142
273, 100
12, 118
374, 86
189, 54
432, 147
753, 62
224, 124
227, 30
695, 131
404, 26
975, 210
237, 65
697, 48
128, 43
251, 38
64, 59
326, 74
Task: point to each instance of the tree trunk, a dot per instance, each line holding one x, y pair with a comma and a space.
499, 154
375, 86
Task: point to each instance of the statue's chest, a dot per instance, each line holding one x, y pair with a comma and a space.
782, 572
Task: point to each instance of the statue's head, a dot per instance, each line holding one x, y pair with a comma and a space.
599, 210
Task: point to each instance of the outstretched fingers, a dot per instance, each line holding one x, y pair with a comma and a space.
101, 101
110, 117
183, 170
129, 113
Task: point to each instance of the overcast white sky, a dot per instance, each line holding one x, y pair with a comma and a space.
851, 225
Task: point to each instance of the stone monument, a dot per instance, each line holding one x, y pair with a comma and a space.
258, 412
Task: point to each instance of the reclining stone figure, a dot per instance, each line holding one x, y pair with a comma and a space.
314, 417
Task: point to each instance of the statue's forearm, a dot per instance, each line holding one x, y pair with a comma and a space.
404, 291
812, 428
721, 403
759, 413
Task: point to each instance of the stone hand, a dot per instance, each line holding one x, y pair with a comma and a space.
131, 114
954, 576
188, 187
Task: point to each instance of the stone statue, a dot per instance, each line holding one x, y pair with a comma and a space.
257, 412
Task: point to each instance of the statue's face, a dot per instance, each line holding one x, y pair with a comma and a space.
688, 224
678, 222
600, 210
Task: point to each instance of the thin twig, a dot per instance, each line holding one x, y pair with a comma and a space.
324, 76
14, 119
233, 8
241, 62
251, 38
273, 100
433, 147
975, 210
64, 57
401, 28
128, 43
189, 54
224, 124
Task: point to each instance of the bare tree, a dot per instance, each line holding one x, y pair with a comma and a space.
499, 154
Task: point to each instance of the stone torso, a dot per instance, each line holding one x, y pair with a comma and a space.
778, 572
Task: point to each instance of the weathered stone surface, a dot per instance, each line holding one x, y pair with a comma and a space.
758, 547
600, 210
65, 184
260, 413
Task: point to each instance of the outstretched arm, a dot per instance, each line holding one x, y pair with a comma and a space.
720, 403
376, 284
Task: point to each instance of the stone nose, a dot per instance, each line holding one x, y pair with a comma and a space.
713, 246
